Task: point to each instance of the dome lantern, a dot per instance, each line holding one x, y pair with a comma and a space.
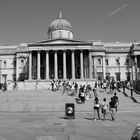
60, 15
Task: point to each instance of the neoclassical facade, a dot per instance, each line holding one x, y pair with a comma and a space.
63, 57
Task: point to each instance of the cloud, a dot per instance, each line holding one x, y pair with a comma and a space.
113, 12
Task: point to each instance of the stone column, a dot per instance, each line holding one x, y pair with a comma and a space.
94, 67
30, 66
64, 64
47, 65
104, 67
55, 63
81, 63
133, 69
90, 66
136, 68
17, 69
73, 65
38, 65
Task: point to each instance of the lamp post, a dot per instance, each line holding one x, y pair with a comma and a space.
118, 62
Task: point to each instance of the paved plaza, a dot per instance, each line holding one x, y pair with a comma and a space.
40, 115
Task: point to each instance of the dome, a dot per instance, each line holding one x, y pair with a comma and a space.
60, 24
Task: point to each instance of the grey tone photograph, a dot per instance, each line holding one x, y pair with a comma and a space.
69, 70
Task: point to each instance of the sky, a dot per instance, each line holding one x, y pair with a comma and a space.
27, 21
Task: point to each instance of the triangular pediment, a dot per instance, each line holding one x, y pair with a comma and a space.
57, 41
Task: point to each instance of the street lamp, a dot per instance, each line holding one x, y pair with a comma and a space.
118, 62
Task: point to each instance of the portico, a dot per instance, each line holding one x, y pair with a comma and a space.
59, 64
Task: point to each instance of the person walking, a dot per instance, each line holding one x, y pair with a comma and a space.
112, 109
64, 87
104, 85
116, 100
96, 108
95, 92
104, 106
82, 95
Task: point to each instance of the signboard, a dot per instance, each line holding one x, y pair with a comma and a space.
70, 110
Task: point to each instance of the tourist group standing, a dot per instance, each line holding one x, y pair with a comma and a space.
105, 107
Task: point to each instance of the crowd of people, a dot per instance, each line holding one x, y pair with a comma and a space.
83, 93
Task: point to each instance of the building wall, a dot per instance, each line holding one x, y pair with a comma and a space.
124, 66
7, 67
20, 69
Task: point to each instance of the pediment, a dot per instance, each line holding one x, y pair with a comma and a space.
56, 41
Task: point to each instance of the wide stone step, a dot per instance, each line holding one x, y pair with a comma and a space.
43, 100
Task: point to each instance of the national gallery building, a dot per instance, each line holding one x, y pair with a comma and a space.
63, 57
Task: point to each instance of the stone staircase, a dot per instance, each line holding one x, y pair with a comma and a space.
46, 100
125, 102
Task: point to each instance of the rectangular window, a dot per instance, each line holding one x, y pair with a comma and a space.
128, 74
107, 62
127, 62
118, 76
99, 61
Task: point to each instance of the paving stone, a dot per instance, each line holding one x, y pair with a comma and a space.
53, 137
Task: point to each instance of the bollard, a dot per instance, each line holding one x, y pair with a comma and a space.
70, 110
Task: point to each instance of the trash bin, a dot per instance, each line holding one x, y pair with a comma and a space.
70, 110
